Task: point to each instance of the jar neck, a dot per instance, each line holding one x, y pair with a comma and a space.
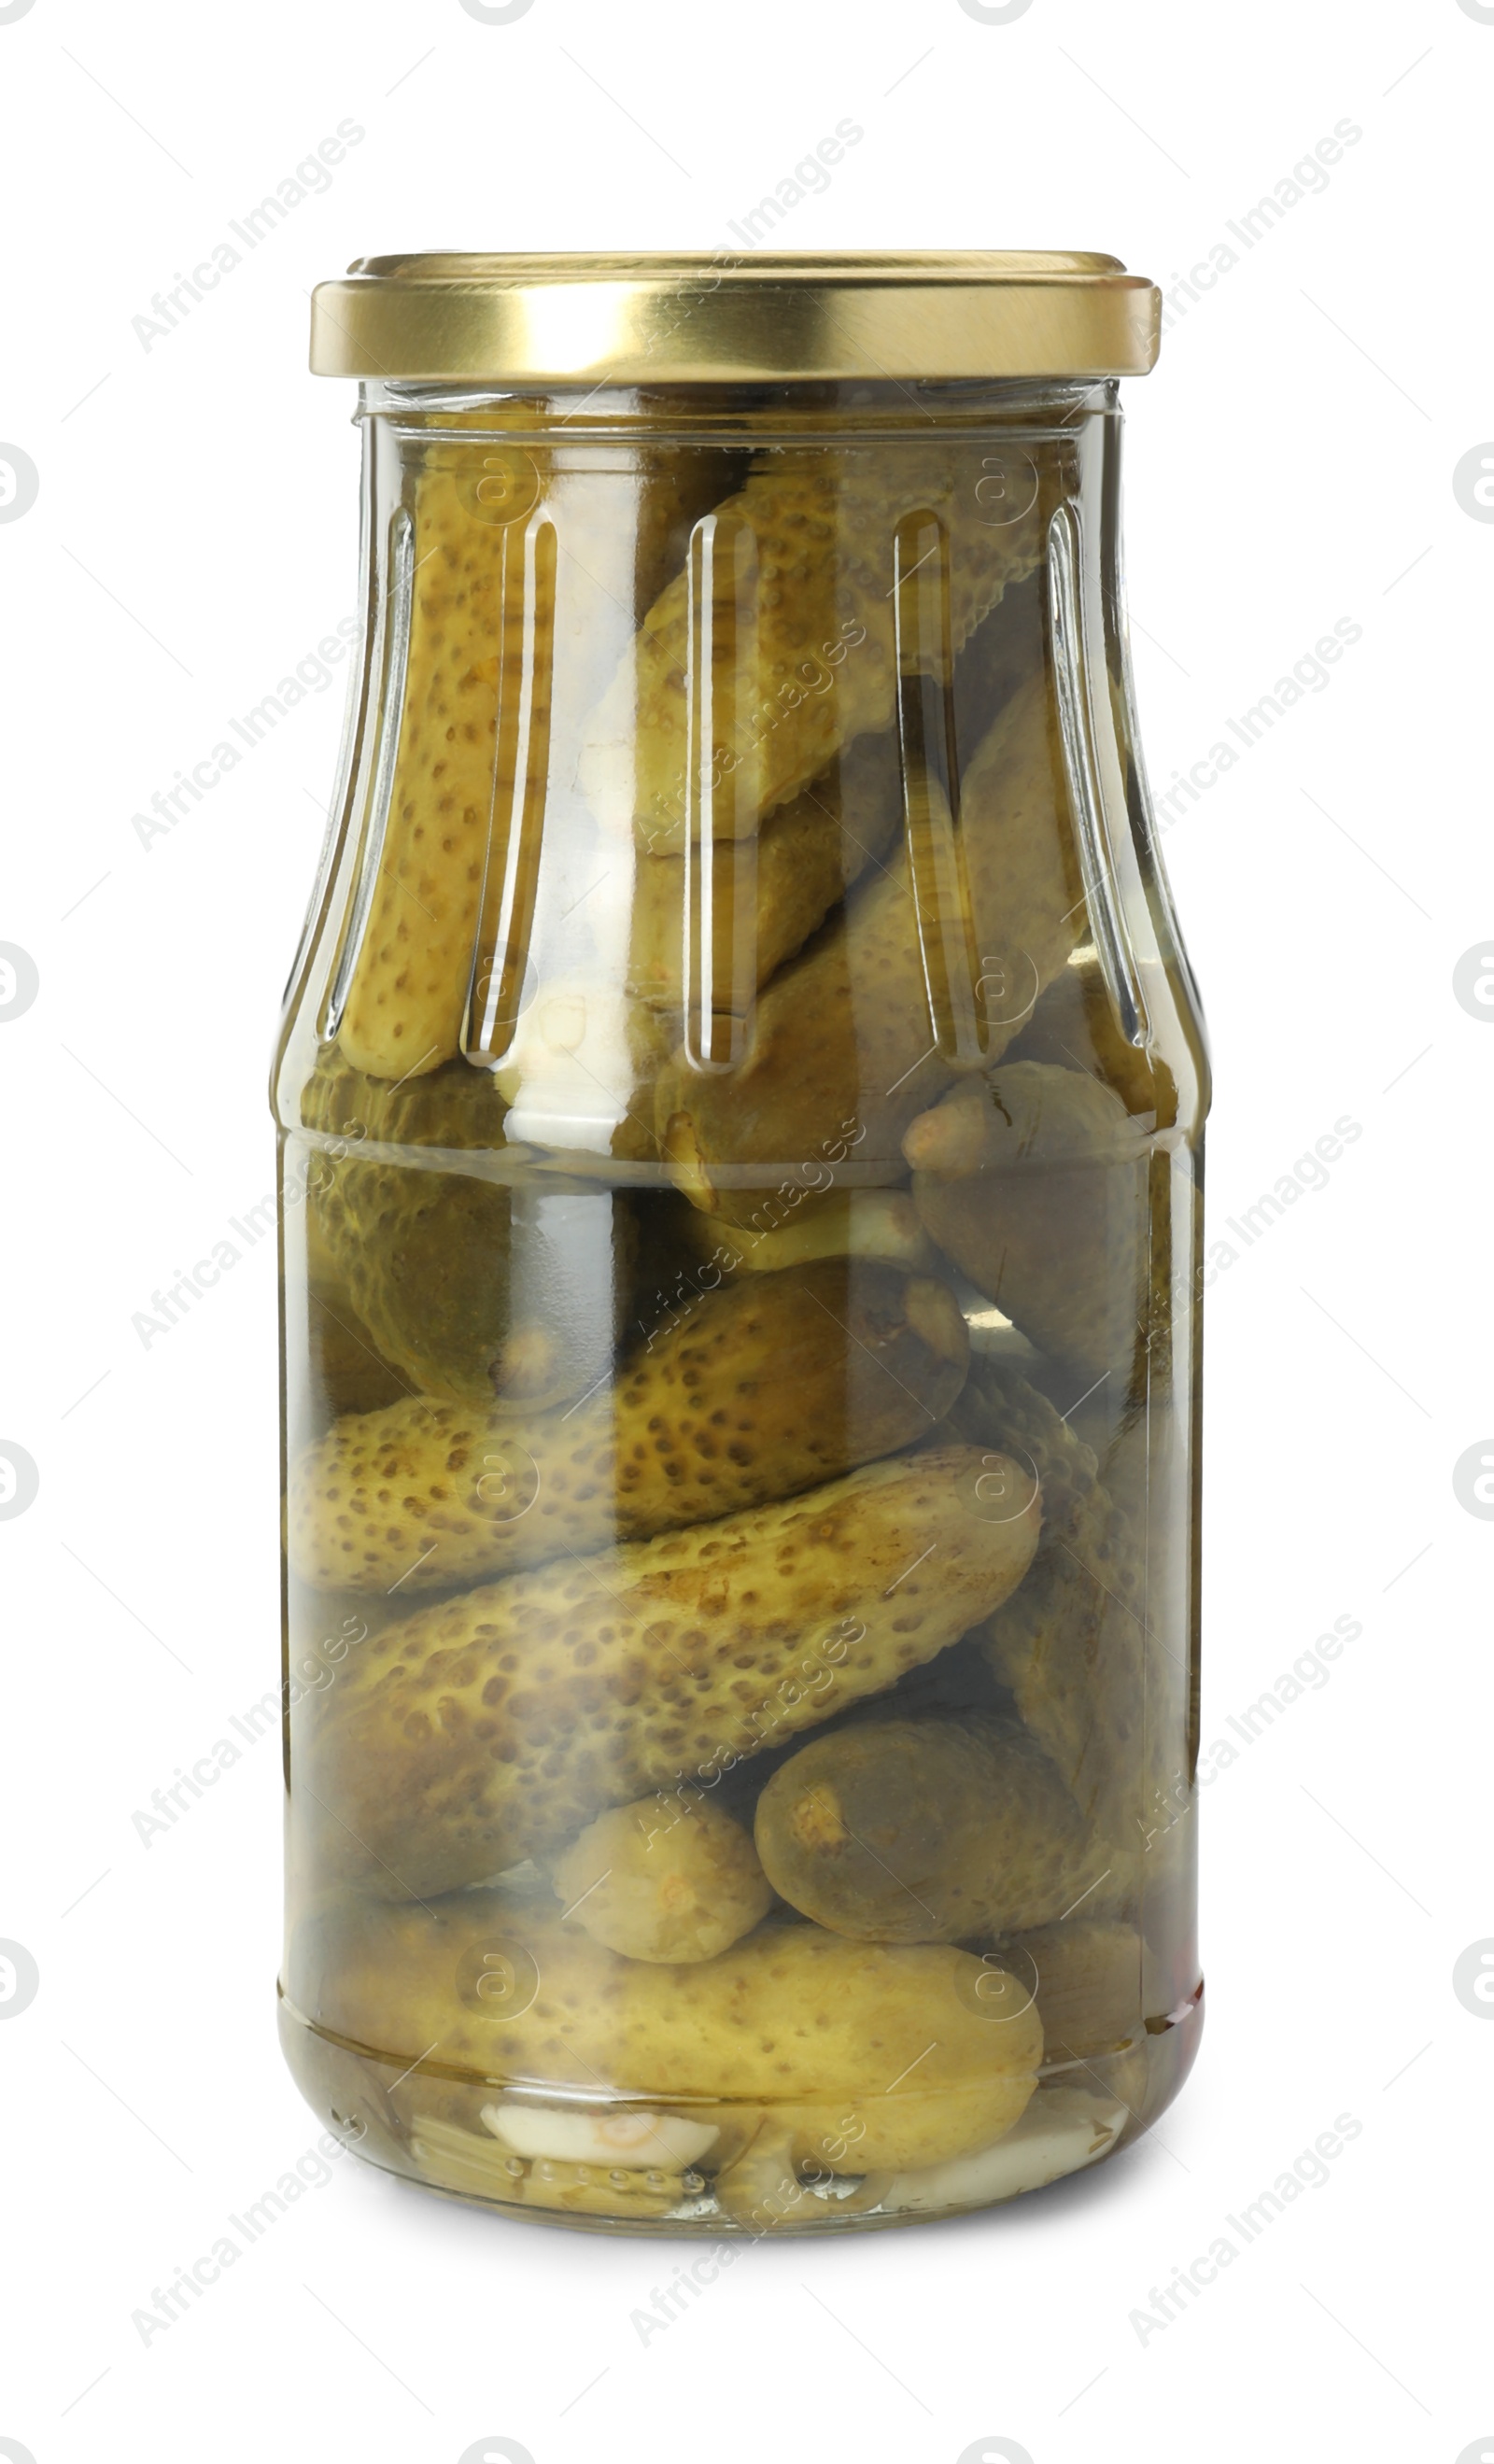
836, 411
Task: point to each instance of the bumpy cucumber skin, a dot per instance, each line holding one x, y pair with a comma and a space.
761, 1388
491, 1726
925, 1831
793, 2032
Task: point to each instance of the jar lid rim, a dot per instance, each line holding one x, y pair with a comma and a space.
446, 315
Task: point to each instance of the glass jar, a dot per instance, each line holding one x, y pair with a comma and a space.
740, 1101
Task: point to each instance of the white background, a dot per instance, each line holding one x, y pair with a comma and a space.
1290, 463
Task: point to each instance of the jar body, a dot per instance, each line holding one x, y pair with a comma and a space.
740, 1104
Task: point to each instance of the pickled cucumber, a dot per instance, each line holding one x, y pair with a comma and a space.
507, 550
843, 1050
1072, 1646
473, 1289
493, 1725
1087, 1977
470, 619
764, 1387
1001, 1405
927, 1830
1034, 1181
801, 652
763, 896
671, 1878
346, 1371
837, 2056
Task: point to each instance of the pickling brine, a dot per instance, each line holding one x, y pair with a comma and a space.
740, 1344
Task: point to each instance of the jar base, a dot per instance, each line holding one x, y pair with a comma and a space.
473, 2141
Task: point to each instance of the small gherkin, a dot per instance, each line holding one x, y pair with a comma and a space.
673, 1877
472, 1288
931, 1830
796, 2054
1072, 1643
474, 600
1089, 1977
1034, 1181
518, 557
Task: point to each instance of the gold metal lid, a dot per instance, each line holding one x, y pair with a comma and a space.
633, 320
